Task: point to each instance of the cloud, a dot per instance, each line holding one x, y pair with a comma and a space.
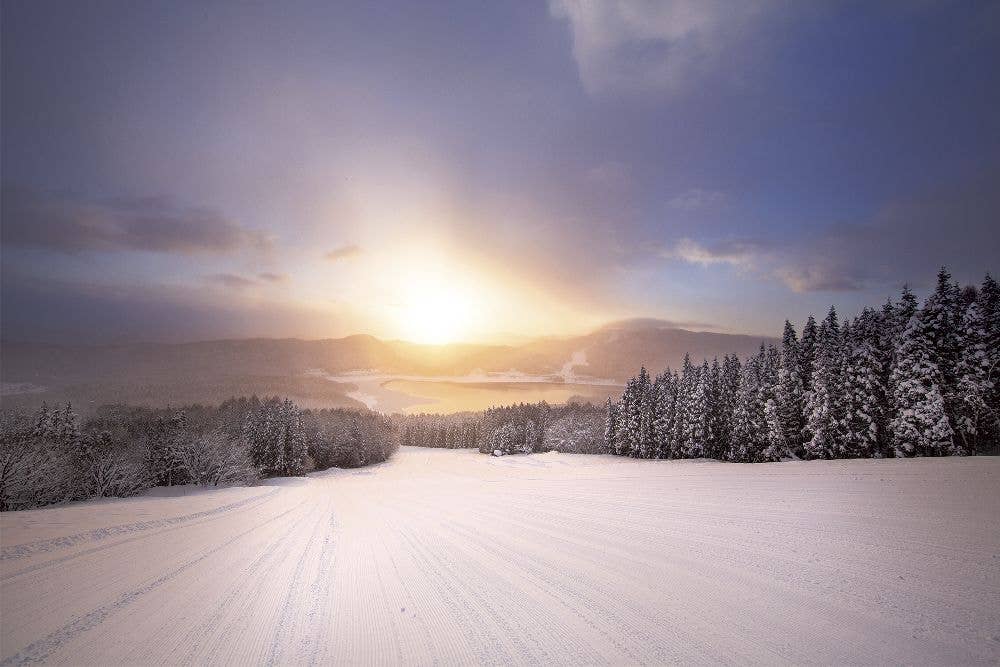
815, 266
655, 324
343, 252
236, 281
231, 280
152, 224
822, 277
38, 308
905, 241
656, 44
733, 252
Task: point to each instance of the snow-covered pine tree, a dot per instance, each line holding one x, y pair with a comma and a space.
626, 419
717, 416
825, 403
776, 447
697, 415
69, 431
43, 422
729, 390
976, 373
920, 426
664, 414
807, 353
685, 387
748, 438
988, 304
643, 445
904, 312
789, 393
294, 441
944, 313
611, 426
864, 394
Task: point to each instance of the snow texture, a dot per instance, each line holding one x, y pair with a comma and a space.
452, 557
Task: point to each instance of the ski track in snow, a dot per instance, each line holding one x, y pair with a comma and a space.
451, 557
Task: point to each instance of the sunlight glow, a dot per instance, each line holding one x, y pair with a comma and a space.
435, 312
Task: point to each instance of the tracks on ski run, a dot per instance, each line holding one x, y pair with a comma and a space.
457, 558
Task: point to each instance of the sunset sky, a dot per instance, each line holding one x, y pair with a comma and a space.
487, 171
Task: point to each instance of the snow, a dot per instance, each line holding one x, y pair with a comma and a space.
454, 557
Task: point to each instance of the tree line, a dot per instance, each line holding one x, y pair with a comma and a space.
897, 381
512, 429
51, 456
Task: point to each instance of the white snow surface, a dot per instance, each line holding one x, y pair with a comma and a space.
457, 558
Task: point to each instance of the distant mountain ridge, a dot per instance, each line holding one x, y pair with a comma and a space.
610, 353
210, 371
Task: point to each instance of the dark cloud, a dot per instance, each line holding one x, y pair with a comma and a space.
153, 224
343, 252
272, 277
41, 309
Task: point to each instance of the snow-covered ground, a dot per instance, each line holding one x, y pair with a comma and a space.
454, 557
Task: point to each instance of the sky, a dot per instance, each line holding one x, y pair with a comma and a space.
492, 171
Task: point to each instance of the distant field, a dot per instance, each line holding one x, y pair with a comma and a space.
452, 557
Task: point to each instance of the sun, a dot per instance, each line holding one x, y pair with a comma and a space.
436, 313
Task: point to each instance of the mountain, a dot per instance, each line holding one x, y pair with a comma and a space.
211, 371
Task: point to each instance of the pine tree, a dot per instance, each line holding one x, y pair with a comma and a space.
625, 409
697, 414
685, 388
611, 427
717, 417
664, 414
975, 376
988, 304
43, 422
748, 437
643, 444
789, 393
293, 442
729, 391
775, 446
824, 405
943, 316
69, 431
904, 312
807, 353
863, 389
921, 426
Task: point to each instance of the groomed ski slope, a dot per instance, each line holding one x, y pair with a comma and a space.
454, 557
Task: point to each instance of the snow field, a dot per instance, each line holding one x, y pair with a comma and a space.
457, 557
